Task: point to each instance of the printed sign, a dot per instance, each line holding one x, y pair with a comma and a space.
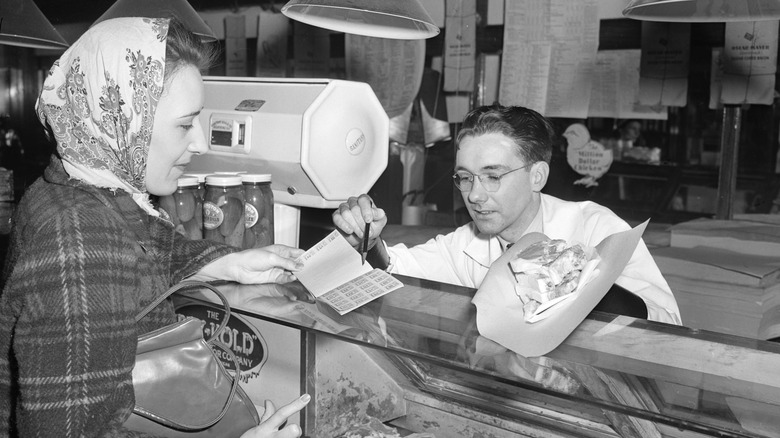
663, 71
244, 341
587, 157
749, 61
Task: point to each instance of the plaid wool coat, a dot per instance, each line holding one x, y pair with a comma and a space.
82, 262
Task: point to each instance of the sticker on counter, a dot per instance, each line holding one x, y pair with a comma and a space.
244, 341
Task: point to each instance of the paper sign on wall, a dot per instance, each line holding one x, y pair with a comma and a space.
663, 70
271, 57
586, 156
460, 44
614, 91
312, 51
749, 62
393, 68
549, 53
235, 45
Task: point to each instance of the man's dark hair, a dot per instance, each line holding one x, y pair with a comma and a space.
533, 134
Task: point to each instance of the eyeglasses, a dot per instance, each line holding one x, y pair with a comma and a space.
464, 180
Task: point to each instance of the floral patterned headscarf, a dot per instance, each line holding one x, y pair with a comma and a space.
100, 98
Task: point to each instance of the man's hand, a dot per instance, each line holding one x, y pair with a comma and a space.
352, 216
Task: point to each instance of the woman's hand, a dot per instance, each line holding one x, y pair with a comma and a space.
352, 216
273, 419
270, 264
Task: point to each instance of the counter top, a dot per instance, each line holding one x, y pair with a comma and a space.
638, 371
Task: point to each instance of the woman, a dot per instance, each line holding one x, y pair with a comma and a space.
88, 250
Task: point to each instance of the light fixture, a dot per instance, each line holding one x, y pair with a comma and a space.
23, 24
703, 11
180, 9
713, 11
395, 19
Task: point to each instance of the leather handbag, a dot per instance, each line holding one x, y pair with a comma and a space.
181, 387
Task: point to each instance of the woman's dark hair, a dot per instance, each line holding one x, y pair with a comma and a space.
183, 48
533, 134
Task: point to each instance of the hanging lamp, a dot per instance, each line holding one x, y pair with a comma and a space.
396, 19
180, 9
713, 11
703, 11
23, 24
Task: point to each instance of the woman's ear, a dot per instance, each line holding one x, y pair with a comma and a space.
540, 171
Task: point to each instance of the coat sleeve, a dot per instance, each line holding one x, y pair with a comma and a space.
642, 277
72, 293
641, 274
440, 259
189, 256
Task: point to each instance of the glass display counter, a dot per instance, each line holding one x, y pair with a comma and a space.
412, 362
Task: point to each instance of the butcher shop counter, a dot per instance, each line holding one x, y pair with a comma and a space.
411, 363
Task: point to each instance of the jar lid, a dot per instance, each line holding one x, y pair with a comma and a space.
201, 176
223, 180
256, 177
188, 180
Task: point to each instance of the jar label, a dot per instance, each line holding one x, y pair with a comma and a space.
250, 215
212, 216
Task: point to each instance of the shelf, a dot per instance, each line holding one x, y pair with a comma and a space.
667, 192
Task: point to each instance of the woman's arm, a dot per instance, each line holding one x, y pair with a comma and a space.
73, 292
271, 264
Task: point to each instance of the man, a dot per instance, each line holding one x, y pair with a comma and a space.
501, 165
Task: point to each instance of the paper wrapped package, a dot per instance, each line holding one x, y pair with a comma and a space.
549, 271
500, 313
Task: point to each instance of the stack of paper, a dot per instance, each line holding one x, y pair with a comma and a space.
725, 275
719, 265
742, 236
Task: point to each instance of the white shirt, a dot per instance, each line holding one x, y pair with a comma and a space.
463, 257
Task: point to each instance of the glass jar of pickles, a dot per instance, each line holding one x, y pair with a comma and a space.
201, 183
183, 208
259, 210
223, 210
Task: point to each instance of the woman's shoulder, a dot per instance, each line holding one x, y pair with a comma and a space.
44, 203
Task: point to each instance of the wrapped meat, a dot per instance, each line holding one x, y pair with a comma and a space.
548, 269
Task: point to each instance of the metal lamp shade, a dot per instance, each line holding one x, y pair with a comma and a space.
397, 19
23, 24
180, 9
713, 11
703, 11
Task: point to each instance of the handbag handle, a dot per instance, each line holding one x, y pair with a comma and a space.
191, 284
211, 341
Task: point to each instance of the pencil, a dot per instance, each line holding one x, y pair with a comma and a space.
365, 242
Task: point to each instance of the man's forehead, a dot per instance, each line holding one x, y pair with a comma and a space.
482, 165
504, 156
